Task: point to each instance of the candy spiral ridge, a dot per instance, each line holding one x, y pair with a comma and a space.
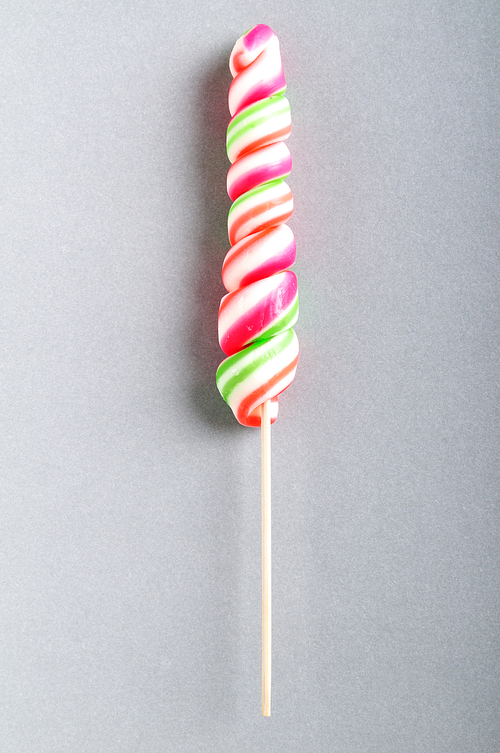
257, 315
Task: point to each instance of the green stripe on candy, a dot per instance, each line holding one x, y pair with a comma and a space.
249, 360
255, 115
250, 195
286, 320
256, 109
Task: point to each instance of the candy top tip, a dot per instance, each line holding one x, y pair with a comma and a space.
249, 46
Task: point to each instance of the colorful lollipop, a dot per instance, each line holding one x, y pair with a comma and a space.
257, 315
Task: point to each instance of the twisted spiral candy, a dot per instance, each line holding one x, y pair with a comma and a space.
257, 315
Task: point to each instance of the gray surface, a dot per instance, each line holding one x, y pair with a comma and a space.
129, 552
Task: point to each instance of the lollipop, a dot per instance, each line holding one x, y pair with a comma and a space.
257, 315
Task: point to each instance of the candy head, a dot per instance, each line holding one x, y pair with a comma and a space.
249, 46
255, 65
257, 315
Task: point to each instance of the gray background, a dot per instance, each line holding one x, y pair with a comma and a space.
130, 497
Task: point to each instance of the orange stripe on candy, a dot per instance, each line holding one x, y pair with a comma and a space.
246, 244
254, 212
270, 138
244, 407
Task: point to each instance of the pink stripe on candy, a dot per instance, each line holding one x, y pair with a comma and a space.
258, 175
260, 317
278, 263
259, 35
265, 88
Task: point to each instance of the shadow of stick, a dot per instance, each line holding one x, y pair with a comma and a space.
218, 648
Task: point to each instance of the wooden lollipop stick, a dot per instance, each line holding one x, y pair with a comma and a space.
266, 558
